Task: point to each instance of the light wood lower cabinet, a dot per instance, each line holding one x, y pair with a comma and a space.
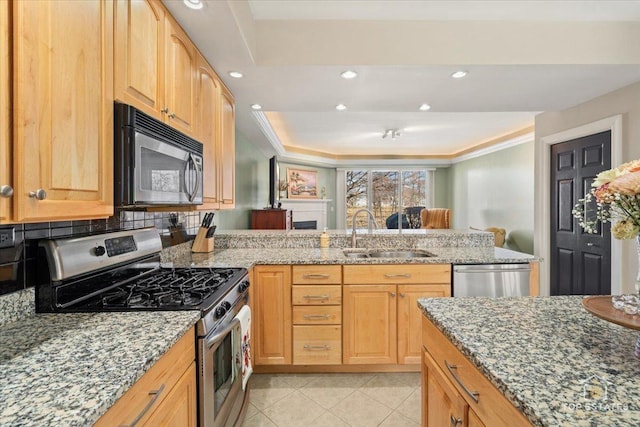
165, 395
271, 289
453, 387
381, 317
317, 320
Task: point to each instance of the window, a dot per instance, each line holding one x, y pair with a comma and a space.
395, 197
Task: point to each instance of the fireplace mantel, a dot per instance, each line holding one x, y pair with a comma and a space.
308, 210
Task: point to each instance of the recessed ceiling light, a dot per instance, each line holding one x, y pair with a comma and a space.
256, 106
194, 4
341, 107
349, 74
424, 107
236, 74
459, 74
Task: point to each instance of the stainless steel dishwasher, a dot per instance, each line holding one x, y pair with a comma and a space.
491, 280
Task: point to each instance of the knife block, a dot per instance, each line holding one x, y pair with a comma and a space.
201, 243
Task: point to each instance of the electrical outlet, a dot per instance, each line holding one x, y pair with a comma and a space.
7, 237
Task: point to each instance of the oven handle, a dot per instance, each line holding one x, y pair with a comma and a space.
220, 335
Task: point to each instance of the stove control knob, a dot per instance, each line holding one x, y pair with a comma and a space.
226, 305
99, 251
220, 311
243, 287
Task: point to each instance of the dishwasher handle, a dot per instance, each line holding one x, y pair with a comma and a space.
524, 268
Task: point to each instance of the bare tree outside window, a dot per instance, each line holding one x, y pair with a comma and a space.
395, 197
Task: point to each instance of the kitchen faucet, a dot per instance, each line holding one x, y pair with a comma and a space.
353, 221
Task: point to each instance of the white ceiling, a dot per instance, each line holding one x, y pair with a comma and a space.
523, 57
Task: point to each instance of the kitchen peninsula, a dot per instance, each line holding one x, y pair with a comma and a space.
556, 364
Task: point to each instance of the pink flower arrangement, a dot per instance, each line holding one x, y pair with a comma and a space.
616, 193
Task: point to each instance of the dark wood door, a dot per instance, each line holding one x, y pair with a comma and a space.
580, 262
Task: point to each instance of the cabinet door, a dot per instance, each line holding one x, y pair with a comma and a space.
5, 116
227, 151
410, 318
207, 103
63, 129
139, 55
474, 420
445, 407
272, 315
179, 408
180, 79
369, 324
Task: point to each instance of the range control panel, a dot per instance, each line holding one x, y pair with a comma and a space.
120, 245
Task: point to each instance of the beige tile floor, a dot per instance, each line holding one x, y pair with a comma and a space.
334, 400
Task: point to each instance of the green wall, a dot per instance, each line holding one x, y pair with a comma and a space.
496, 190
252, 186
441, 194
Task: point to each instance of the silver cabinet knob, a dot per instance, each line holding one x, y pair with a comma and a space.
393, 294
6, 191
172, 115
165, 110
39, 194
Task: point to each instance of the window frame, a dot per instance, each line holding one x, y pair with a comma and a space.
341, 189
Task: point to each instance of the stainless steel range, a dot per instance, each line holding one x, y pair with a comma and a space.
121, 271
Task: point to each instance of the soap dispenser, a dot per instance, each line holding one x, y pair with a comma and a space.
324, 239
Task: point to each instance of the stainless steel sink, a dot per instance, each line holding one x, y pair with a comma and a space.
390, 253
413, 253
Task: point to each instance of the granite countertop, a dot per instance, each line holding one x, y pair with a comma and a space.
68, 369
247, 257
541, 351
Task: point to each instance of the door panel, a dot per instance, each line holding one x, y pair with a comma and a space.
582, 263
180, 79
5, 111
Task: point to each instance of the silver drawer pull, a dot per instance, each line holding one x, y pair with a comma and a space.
395, 276
156, 394
316, 316
310, 347
452, 370
320, 297
455, 421
315, 276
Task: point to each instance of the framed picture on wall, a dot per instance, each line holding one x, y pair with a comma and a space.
303, 184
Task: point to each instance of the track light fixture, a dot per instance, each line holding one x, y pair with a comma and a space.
393, 133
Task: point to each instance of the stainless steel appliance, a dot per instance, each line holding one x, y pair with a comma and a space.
121, 271
154, 163
491, 280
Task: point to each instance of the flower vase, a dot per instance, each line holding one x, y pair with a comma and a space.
636, 352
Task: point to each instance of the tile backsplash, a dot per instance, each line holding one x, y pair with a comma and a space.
17, 262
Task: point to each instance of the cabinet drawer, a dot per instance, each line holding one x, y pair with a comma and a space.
317, 274
317, 345
492, 407
399, 273
161, 378
316, 295
317, 315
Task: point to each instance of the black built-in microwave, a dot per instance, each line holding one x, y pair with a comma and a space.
155, 165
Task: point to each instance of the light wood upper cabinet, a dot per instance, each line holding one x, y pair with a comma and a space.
272, 341
227, 151
139, 55
63, 109
180, 78
208, 110
6, 183
155, 64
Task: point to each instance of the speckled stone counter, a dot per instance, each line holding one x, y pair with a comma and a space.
543, 353
248, 257
68, 369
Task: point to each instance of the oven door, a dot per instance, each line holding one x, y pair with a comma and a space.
220, 366
165, 174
